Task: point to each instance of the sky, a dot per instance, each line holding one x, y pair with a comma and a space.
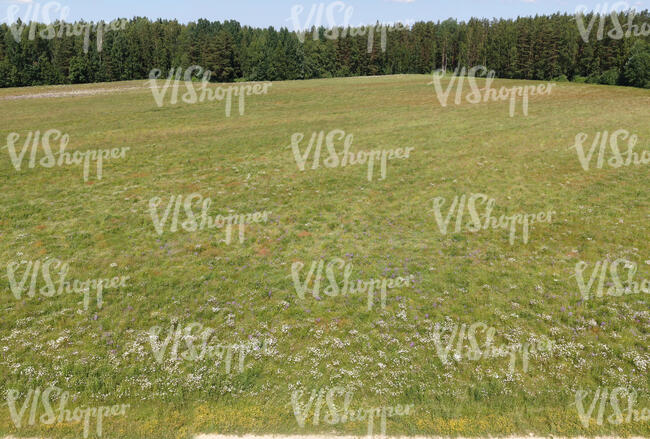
285, 13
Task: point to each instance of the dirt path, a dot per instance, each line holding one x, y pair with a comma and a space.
61, 94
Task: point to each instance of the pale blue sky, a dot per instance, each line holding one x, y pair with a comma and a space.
278, 13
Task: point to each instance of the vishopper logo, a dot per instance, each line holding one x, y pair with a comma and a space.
460, 333
191, 224
604, 270
334, 416
36, 13
600, 13
64, 415
618, 397
486, 221
57, 287
207, 94
339, 25
207, 351
617, 159
49, 160
369, 287
346, 157
487, 93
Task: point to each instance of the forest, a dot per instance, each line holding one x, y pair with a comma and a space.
607, 49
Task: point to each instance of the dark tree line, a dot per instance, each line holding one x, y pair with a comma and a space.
541, 47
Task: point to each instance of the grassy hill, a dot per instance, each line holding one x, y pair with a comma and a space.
244, 291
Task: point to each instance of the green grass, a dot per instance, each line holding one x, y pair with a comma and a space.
244, 163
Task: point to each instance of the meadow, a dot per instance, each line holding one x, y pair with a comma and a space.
244, 289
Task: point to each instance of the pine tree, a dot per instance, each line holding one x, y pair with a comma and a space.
637, 69
541, 47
